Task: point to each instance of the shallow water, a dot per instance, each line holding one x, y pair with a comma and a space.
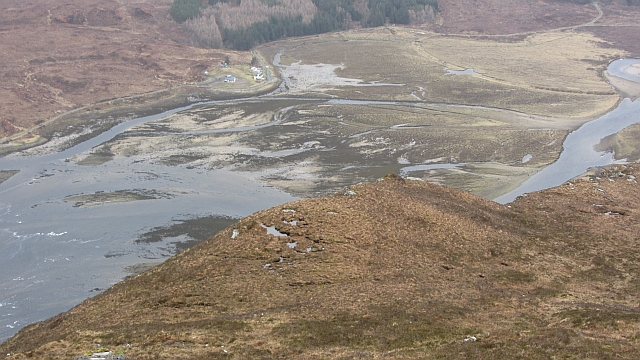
461, 72
579, 148
54, 255
579, 152
622, 68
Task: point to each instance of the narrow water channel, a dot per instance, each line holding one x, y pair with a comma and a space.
579, 148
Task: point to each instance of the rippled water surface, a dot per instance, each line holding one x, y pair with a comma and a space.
55, 253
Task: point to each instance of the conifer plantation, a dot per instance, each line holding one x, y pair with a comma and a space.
241, 25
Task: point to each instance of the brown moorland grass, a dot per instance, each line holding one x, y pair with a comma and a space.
59, 56
516, 16
626, 143
396, 268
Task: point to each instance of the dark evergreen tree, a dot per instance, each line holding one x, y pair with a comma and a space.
213, 2
183, 10
277, 28
331, 15
376, 18
397, 11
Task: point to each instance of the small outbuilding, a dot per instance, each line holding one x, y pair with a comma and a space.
230, 78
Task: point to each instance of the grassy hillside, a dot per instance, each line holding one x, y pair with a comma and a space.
396, 268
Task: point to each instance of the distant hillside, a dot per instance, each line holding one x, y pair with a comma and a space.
118, 48
243, 24
397, 269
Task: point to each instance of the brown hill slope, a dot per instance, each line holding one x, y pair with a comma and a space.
56, 56
618, 23
507, 17
395, 269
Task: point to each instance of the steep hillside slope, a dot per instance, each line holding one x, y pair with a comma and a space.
395, 269
56, 56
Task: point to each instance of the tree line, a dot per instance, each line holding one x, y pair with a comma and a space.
183, 10
398, 11
278, 28
243, 24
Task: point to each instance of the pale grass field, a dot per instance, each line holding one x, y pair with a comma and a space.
550, 74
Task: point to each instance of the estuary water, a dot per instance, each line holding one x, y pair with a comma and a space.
55, 253
57, 250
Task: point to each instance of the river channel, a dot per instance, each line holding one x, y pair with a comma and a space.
69, 231
579, 148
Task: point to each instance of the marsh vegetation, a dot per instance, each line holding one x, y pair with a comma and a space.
485, 132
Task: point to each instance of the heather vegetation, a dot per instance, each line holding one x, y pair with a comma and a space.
243, 24
583, 2
393, 269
